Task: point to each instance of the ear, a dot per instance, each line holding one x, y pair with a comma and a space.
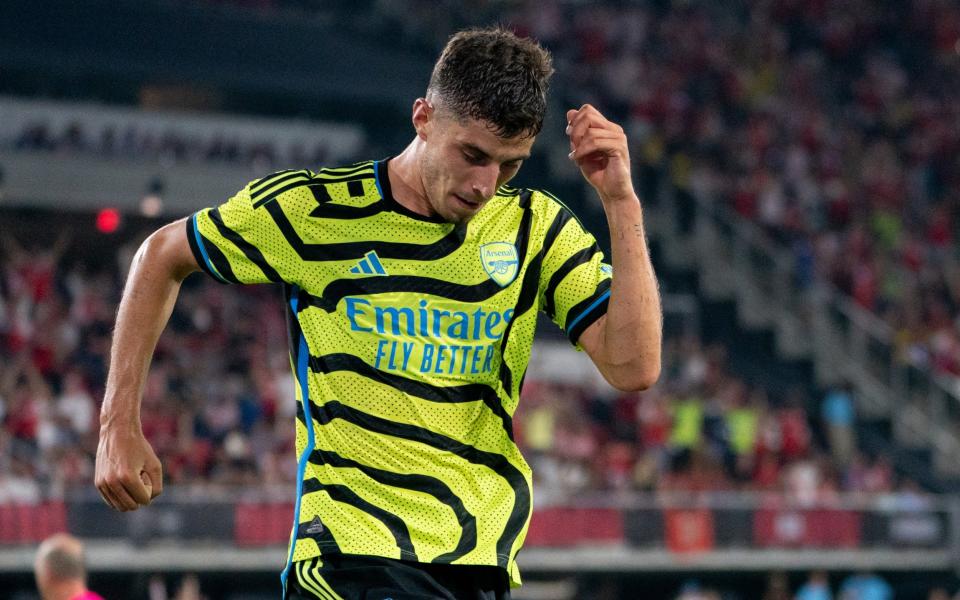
422, 117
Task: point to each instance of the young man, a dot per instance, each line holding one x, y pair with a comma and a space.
59, 570
412, 286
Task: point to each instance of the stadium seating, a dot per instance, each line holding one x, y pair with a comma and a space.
828, 125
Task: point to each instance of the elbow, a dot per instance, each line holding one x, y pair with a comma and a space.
635, 377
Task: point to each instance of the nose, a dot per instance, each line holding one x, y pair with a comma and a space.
485, 182
480, 191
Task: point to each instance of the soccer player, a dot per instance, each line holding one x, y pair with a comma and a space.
412, 288
59, 571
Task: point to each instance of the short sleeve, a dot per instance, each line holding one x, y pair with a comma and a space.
574, 279
238, 241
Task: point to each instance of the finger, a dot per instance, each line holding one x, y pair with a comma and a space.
600, 134
115, 501
587, 109
594, 150
584, 109
153, 476
117, 492
136, 490
108, 496
106, 499
145, 479
585, 123
571, 117
574, 116
593, 146
577, 130
123, 499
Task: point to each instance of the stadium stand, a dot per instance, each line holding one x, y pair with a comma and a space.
221, 418
828, 128
683, 467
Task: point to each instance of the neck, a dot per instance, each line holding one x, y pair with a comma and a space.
406, 181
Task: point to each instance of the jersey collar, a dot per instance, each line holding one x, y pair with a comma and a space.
383, 185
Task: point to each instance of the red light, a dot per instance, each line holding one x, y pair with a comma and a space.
108, 220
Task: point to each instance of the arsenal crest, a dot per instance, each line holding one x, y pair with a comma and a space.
500, 261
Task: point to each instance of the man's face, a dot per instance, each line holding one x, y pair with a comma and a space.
464, 162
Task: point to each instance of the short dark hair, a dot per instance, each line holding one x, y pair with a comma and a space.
494, 76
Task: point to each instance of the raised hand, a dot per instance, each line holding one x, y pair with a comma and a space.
128, 472
599, 147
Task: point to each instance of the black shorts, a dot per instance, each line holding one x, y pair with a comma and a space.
349, 577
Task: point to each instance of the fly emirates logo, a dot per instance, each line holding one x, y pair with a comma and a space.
429, 339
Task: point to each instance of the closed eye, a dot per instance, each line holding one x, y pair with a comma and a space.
474, 159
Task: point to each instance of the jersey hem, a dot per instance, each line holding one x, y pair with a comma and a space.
328, 548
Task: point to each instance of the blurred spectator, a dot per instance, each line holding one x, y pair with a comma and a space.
76, 405
654, 418
692, 590
817, 587
686, 435
865, 586
778, 588
794, 429
59, 569
906, 497
742, 418
838, 415
157, 588
189, 589
802, 482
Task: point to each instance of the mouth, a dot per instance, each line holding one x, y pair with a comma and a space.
467, 203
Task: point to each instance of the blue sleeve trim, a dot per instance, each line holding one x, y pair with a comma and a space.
376, 177
199, 250
572, 327
303, 361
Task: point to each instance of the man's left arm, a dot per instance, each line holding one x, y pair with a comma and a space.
625, 342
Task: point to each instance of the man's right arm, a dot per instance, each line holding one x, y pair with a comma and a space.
128, 473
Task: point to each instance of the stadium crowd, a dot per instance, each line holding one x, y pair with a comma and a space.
816, 128
218, 410
831, 124
834, 126
813, 120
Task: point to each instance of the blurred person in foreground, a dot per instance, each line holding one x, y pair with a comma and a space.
59, 569
412, 288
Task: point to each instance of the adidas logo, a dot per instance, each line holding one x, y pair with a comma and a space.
315, 526
369, 265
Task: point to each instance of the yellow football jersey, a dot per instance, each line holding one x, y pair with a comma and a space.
410, 337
